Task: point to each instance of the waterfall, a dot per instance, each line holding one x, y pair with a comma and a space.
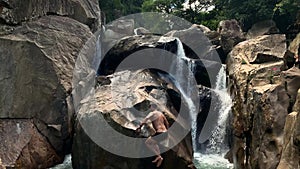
98, 54
216, 147
185, 87
216, 141
213, 157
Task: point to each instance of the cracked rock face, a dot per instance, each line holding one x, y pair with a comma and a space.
22, 146
264, 95
122, 101
37, 61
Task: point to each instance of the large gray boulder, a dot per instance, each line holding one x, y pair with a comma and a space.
117, 30
37, 62
121, 102
195, 38
23, 146
231, 34
263, 95
263, 49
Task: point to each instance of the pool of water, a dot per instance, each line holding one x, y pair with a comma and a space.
207, 161
211, 161
67, 164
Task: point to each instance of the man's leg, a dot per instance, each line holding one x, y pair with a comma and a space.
152, 145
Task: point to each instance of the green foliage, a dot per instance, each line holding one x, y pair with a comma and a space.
165, 6
247, 12
285, 13
194, 13
113, 9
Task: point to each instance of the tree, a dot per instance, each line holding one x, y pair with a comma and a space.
286, 12
193, 9
114, 9
165, 6
111, 9
246, 12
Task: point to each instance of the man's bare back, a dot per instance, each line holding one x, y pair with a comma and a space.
161, 125
159, 121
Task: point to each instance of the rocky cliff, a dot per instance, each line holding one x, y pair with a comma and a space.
39, 44
264, 92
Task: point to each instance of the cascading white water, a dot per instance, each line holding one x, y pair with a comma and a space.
216, 148
67, 164
185, 86
216, 141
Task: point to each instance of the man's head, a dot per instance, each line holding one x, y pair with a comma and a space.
153, 107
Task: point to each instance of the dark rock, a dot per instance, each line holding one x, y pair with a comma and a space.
292, 83
293, 30
133, 44
22, 146
37, 62
231, 34
116, 103
103, 80
197, 45
289, 59
206, 72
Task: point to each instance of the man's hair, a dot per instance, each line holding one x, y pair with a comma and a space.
153, 106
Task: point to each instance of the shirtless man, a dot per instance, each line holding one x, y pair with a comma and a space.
161, 125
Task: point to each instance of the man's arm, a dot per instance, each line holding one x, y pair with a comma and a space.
146, 119
166, 122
